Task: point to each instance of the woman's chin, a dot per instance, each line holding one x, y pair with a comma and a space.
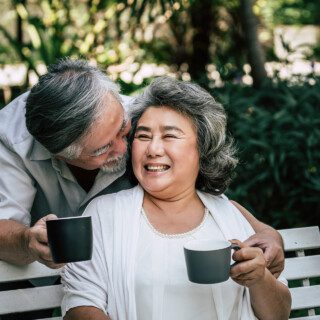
155, 189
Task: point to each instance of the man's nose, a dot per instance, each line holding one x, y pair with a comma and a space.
120, 146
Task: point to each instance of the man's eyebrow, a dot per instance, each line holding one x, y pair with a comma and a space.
123, 124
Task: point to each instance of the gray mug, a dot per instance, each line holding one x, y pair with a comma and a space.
208, 261
70, 239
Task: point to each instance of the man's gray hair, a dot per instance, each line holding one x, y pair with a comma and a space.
62, 107
216, 152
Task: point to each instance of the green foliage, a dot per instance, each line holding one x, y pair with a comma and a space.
277, 133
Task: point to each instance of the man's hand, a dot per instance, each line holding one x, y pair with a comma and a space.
267, 239
36, 242
272, 249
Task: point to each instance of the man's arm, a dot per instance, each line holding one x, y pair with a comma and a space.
22, 245
85, 313
266, 238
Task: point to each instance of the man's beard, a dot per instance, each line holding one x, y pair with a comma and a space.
115, 165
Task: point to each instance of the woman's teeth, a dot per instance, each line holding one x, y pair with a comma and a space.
159, 168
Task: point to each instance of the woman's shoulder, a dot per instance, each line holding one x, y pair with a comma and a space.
222, 198
105, 204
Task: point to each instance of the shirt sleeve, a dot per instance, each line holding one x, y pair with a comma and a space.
85, 283
283, 280
17, 190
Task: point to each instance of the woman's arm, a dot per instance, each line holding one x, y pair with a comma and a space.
266, 238
270, 295
85, 313
270, 299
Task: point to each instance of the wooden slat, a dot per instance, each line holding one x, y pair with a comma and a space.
10, 272
302, 267
305, 297
307, 318
30, 299
300, 238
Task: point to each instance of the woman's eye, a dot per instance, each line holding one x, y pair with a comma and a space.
142, 137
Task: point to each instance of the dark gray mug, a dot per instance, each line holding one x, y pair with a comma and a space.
70, 239
208, 261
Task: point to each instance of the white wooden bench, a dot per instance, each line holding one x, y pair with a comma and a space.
28, 299
300, 267
303, 267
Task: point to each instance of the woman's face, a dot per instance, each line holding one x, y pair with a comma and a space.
165, 157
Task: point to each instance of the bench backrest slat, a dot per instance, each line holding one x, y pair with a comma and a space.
23, 300
300, 238
305, 297
302, 267
9, 272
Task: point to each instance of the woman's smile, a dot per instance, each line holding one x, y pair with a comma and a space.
156, 167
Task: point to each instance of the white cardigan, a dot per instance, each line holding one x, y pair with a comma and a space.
107, 281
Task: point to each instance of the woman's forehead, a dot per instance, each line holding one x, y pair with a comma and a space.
165, 117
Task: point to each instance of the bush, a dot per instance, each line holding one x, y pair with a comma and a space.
277, 133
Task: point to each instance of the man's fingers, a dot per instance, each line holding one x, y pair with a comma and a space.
38, 234
251, 242
45, 257
42, 221
50, 216
269, 255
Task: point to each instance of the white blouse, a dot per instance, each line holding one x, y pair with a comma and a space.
162, 288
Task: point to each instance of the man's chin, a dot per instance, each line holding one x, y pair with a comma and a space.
114, 166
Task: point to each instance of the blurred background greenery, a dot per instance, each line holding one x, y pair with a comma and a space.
259, 58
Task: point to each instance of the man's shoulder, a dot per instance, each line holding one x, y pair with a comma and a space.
13, 128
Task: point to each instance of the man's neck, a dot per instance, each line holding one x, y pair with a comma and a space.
85, 178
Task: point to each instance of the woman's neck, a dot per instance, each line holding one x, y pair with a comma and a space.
173, 204
177, 214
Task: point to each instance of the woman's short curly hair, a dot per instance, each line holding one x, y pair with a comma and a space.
216, 151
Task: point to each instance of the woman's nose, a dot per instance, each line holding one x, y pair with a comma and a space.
155, 148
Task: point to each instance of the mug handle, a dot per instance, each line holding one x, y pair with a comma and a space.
236, 248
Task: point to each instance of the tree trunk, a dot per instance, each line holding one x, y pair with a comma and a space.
19, 27
201, 19
255, 53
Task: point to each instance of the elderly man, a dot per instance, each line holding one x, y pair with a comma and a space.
61, 145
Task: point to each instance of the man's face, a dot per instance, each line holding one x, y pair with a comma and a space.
105, 146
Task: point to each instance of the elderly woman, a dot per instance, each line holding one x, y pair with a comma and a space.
183, 163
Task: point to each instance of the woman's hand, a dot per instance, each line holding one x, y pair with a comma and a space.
250, 267
272, 247
270, 299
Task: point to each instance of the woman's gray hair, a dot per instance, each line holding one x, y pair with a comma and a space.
65, 103
216, 152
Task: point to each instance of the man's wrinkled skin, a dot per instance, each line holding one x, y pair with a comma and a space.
268, 239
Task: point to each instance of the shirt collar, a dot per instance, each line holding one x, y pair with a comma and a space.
39, 152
